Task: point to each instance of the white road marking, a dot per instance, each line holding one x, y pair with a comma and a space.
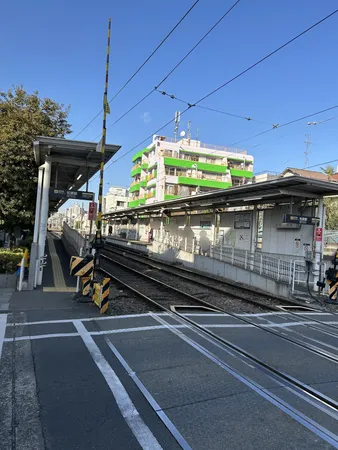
153, 403
142, 433
85, 319
292, 412
3, 320
154, 327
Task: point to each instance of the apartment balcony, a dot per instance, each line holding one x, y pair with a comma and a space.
187, 164
190, 181
241, 173
136, 170
137, 156
135, 186
168, 196
151, 194
136, 202
152, 164
151, 176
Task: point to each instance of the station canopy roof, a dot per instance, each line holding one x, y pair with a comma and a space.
278, 191
73, 162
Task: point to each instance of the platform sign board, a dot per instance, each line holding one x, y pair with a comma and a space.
76, 195
92, 211
319, 234
302, 220
242, 221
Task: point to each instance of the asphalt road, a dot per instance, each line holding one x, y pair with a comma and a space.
72, 379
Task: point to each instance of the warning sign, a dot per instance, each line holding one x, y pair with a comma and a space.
319, 234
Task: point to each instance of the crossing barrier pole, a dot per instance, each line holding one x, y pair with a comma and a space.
78, 278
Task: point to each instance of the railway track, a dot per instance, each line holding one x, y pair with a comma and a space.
159, 299
166, 297
206, 286
159, 294
267, 301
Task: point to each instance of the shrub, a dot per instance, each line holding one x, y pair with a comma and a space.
9, 260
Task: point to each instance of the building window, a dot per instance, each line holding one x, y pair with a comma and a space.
170, 171
191, 157
236, 181
171, 189
211, 160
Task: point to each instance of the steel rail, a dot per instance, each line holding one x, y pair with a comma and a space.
265, 367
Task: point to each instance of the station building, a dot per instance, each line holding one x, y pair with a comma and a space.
258, 234
167, 169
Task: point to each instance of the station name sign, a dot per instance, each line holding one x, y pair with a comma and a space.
77, 195
302, 220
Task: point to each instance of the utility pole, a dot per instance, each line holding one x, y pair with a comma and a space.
98, 243
307, 143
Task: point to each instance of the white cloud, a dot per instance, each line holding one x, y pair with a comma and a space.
146, 117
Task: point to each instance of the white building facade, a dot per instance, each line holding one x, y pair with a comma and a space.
116, 198
167, 169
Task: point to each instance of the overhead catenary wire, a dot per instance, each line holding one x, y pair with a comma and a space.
236, 77
140, 143
274, 126
277, 126
247, 118
266, 57
176, 66
143, 64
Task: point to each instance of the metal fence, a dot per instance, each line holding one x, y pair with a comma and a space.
263, 263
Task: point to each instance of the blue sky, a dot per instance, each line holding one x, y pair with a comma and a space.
58, 48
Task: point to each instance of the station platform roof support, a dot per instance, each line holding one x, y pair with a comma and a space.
291, 194
279, 191
64, 167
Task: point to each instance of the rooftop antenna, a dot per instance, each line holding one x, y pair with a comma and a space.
197, 133
189, 131
177, 122
307, 143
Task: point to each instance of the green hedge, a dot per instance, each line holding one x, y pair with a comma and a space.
9, 259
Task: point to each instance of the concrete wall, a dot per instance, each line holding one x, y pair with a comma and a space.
285, 241
228, 235
211, 266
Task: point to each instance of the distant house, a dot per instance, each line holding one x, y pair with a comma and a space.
320, 176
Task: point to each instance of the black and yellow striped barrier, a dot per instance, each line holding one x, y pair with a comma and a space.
333, 287
105, 295
101, 294
82, 267
86, 285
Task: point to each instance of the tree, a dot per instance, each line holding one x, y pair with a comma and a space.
331, 222
329, 171
23, 117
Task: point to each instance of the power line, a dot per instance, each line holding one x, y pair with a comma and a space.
144, 63
199, 42
322, 163
274, 127
129, 110
267, 56
140, 143
239, 75
249, 119
177, 65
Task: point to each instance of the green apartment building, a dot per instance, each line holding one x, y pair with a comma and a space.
167, 169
